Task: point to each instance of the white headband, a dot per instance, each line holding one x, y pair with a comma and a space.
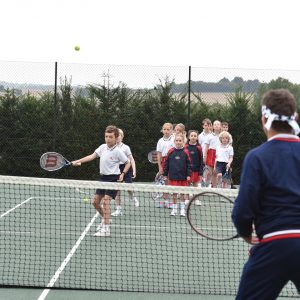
291, 120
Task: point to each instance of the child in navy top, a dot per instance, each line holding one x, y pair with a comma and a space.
178, 170
269, 198
196, 156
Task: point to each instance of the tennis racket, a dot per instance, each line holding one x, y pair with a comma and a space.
152, 156
209, 214
159, 181
226, 178
53, 161
204, 177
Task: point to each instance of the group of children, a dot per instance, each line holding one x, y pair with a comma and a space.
183, 157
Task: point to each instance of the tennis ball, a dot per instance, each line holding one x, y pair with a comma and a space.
86, 200
77, 48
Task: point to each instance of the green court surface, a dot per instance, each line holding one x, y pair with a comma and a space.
47, 239
30, 294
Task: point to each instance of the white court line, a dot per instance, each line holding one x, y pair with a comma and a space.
67, 259
12, 209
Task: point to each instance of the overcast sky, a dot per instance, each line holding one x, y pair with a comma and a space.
212, 33
238, 34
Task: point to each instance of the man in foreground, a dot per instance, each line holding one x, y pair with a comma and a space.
269, 200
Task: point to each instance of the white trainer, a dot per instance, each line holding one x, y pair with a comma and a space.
136, 202
117, 213
198, 202
102, 232
99, 227
182, 212
173, 212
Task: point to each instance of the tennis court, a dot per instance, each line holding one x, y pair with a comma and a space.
47, 241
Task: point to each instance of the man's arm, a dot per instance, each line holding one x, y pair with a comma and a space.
246, 206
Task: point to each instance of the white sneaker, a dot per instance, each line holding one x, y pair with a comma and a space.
182, 212
102, 232
198, 202
173, 212
99, 227
136, 202
117, 213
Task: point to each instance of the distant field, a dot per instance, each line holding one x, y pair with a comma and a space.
210, 97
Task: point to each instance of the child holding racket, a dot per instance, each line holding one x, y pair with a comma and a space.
209, 156
269, 198
224, 158
178, 170
196, 156
164, 144
225, 127
130, 174
111, 156
207, 130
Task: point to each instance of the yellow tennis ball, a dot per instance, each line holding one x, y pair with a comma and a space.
86, 200
77, 48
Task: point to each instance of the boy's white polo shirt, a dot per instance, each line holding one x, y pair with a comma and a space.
110, 158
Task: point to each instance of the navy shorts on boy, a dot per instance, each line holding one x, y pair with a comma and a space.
108, 178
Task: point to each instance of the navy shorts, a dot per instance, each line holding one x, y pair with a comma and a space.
221, 167
128, 176
269, 268
108, 178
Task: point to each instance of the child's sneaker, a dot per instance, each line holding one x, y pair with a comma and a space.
117, 213
173, 212
182, 212
102, 232
136, 202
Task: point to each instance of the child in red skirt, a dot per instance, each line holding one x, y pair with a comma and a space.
210, 152
178, 170
196, 156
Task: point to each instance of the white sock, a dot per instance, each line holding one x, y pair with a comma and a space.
175, 205
106, 227
182, 205
119, 207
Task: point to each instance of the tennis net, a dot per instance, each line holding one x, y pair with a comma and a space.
47, 231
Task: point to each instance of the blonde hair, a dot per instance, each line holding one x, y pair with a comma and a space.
167, 124
225, 134
121, 133
181, 126
181, 135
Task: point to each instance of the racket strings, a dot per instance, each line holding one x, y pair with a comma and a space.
210, 215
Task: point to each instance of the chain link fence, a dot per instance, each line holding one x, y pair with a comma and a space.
66, 107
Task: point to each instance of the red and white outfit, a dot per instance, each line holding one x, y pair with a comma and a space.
212, 141
163, 146
202, 137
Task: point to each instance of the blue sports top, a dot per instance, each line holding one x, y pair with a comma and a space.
269, 194
196, 157
178, 164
